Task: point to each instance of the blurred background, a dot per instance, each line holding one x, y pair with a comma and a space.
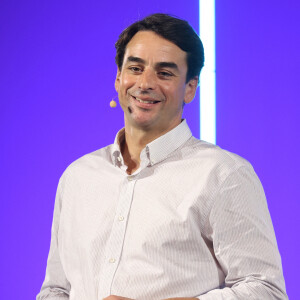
57, 76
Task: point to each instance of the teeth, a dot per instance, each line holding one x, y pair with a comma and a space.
143, 101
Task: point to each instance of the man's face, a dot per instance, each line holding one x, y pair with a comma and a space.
152, 83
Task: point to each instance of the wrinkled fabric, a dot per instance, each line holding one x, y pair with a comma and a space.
192, 221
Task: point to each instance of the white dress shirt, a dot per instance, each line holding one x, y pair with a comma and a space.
192, 221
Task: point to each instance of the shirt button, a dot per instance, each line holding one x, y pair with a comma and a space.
130, 178
121, 218
112, 260
119, 158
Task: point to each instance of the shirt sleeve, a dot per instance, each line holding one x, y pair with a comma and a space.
244, 241
55, 285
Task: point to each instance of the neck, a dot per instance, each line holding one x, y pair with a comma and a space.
135, 141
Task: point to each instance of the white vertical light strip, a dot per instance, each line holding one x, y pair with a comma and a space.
208, 74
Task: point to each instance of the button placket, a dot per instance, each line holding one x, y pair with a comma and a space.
114, 247
130, 177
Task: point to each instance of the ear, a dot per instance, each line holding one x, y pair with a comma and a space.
190, 89
117, 81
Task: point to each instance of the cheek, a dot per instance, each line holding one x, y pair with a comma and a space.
174, 89
181, 92
177, 94
126, 82
168, 89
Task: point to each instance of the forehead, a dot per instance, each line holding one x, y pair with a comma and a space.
153, 48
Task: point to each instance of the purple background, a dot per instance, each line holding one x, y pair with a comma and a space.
57, 78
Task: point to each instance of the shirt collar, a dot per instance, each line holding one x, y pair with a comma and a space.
157, 150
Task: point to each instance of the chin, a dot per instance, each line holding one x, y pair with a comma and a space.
144, 123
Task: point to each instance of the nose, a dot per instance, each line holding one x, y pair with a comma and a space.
147, 80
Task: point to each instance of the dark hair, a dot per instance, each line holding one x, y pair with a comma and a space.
173, 29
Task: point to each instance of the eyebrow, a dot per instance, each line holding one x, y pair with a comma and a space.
163, 64
136, 59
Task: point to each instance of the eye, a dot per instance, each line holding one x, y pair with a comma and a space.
135, 69
164, 74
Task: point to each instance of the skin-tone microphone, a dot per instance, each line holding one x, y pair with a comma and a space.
113, 103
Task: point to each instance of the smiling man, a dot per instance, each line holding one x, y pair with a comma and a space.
160, 214
152, 86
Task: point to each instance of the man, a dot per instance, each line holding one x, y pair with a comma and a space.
160, 214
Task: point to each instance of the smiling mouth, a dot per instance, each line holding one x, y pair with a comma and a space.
146, 101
